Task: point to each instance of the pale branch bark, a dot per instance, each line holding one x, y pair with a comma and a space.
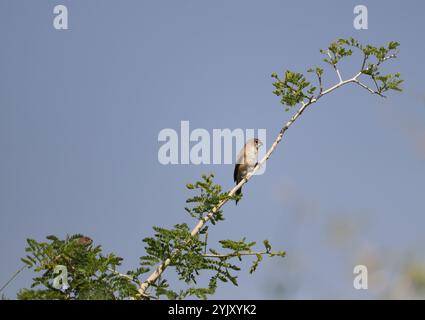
335, 67
131, 279
236, 254
126, 276
304, 104
369, 89
391, 56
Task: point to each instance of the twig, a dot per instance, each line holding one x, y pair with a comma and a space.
335, 67
130, 278
391, 56
12, 278
369, 89
365, 57
320, 83
206, 241
235, 254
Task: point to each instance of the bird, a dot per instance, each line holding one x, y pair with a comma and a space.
84, 241
246, 161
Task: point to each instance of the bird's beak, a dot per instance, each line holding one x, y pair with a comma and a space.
260, 144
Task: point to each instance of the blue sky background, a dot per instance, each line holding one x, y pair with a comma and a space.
80, 113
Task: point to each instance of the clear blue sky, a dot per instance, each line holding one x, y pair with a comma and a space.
80, 112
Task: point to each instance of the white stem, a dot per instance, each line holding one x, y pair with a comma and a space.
335, 68
367, 88
241, 253
130, 278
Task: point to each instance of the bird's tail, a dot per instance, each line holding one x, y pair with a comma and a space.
238, 192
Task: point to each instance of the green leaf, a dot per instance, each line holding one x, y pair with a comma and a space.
29, 263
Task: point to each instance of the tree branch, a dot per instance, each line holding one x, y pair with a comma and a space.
391, 56
369, 89
304, 105
12, 278
126, 276
335, 67
236, 254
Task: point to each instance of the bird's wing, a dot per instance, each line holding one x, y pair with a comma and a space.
235, 173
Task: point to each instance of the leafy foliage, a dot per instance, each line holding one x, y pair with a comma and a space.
291, 88
189, 254
93, 275
209, 197
90, 273
294, 88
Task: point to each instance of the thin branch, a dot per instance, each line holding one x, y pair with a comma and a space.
206, 241
320, 83
126, 276
131, 279
337, 72
236, 254
391, 56
365, 57
369, 89
12, 278
335, 67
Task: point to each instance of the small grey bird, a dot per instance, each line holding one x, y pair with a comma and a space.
247, 160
